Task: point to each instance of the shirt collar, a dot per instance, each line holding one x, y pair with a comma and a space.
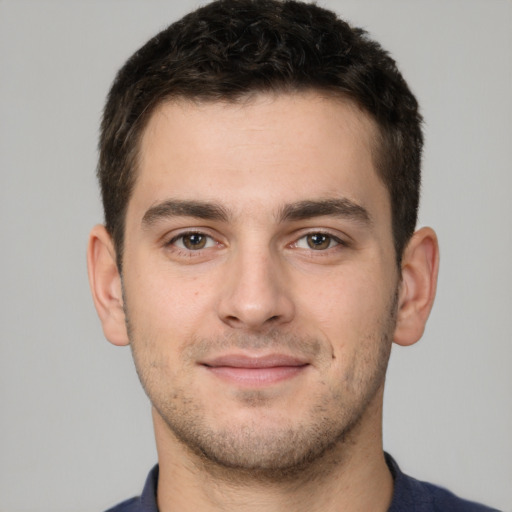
401, 491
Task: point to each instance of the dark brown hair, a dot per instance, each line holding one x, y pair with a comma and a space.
229, 49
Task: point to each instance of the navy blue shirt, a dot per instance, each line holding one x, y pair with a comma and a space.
409, 495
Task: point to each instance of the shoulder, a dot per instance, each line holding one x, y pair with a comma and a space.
146, 502
131, 505
411, 495
429, 497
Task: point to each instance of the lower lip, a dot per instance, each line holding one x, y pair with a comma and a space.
256, 377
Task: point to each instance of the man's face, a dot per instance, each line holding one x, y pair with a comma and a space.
260, 277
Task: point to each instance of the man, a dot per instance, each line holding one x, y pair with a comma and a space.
260, 173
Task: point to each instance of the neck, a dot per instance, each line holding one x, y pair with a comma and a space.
351, 476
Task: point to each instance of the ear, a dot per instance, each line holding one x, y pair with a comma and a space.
420, 264
105, 282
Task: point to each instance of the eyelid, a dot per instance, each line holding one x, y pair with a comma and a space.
170, 239
333, 242
339, 238
182, 246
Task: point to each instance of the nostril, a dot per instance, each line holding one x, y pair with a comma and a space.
237, 322
254, 306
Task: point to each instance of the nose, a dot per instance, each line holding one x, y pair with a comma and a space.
256, 294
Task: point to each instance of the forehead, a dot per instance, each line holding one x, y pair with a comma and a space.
278, 147
319, 109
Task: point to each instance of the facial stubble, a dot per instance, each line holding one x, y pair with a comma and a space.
281, 452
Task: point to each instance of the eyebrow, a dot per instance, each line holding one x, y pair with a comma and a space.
343, 208
178, 208
301, 210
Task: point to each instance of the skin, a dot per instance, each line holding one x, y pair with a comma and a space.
260, 295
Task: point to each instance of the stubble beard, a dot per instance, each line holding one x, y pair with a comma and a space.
282, 453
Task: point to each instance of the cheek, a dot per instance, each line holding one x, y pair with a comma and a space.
162, 318
349, 302
352, 316
164, 302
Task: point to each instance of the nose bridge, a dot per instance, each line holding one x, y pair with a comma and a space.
254, 295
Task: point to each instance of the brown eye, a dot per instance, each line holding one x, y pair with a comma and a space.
194, 241
319, 241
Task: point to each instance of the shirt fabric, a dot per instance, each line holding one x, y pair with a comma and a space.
409, 495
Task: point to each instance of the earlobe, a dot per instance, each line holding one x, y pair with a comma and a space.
420, 264
105, 283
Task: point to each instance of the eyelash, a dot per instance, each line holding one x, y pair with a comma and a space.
331, 239
209, 239
172, 242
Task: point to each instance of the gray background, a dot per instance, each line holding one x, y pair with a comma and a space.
75, 431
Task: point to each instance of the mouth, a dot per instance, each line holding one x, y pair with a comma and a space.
258, 371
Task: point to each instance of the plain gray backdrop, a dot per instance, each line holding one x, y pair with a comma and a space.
76, 433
